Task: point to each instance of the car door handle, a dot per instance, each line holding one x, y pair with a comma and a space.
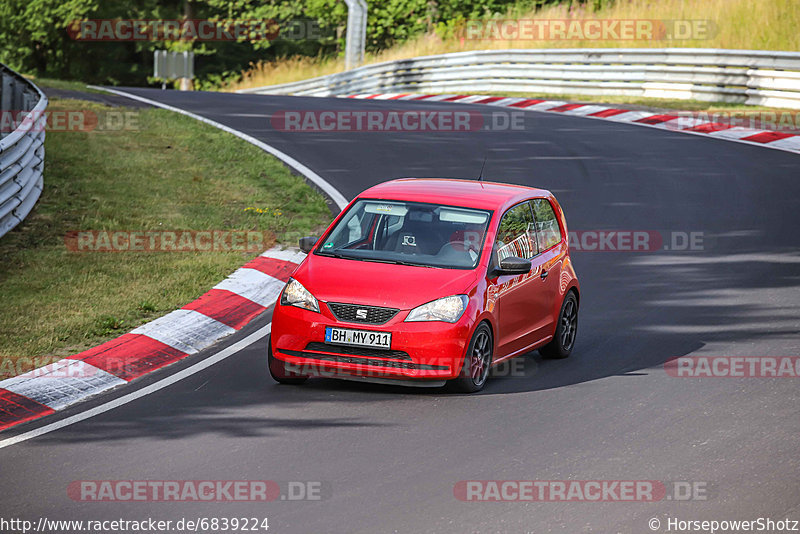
544, 274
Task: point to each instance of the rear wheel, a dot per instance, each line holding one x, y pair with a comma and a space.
566, 329
477, 361
277, 369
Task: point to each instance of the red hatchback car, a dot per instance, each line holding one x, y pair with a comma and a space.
427, 281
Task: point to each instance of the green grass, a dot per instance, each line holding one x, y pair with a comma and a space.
63, 84
172, 173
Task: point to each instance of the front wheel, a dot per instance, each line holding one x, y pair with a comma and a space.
277, 369
566, 329
477, 361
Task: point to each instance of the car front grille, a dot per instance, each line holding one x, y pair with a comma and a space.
358, 351
354, 313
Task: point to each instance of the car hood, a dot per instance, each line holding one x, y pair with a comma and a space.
380, 284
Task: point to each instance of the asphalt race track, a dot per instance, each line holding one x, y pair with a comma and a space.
388, 457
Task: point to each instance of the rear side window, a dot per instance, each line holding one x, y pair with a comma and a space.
516, 234
547, 230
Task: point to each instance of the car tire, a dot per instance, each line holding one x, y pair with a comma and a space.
277, 369
564, 339
477, 361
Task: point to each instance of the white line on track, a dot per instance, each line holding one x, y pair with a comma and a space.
318, 180
139, 393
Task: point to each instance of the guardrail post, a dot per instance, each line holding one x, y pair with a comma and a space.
19, 97
174, 66
7, 103
356, 33
187, 71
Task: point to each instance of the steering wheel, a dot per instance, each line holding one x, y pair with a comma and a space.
461, 245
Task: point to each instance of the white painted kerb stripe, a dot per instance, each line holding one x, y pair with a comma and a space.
586, 110
188, 331
631, 116
735, 133
787, 143
506, 102
437, 98
544, 106
470, 99
253, 285
64, 383
294, 256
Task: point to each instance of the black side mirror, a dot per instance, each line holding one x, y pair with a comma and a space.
307, 243
513, 265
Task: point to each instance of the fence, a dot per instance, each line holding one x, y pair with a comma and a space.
21, 147
738, 76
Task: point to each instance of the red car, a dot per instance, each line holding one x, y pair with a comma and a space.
427, 281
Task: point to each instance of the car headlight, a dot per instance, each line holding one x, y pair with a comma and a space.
447, 309
294, 294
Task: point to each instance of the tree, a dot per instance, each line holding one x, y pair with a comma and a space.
34, 38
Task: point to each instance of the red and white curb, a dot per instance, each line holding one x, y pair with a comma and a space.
668, 121
223, 310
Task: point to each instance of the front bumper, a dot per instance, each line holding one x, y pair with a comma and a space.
419, 350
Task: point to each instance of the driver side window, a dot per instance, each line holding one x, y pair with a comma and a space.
516, 235
355, 230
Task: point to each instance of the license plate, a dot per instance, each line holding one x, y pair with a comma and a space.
358, 338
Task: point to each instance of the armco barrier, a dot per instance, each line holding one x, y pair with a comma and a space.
21, 149
755, 77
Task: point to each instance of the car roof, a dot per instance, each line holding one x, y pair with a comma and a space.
454, 192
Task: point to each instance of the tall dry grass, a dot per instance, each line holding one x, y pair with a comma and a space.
742, 24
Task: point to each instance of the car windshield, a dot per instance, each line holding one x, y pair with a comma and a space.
408, 233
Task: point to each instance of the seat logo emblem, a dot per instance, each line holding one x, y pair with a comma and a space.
361, 314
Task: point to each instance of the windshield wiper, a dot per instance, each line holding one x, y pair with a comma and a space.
329, 254
411, 263
399, 262
341, 256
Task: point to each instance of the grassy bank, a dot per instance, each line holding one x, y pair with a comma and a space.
161, 171
67, 85
742, 24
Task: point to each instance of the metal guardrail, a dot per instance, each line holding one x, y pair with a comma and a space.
22, 149
755, 77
